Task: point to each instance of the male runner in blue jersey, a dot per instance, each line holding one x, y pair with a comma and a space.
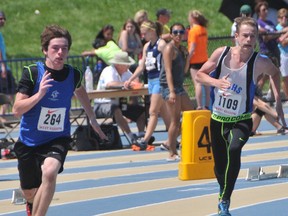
44, 101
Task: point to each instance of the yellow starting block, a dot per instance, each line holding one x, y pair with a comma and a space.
196, 153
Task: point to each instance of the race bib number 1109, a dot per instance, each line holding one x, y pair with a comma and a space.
227, 103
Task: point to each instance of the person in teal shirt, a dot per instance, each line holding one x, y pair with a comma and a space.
283, 47
7, 81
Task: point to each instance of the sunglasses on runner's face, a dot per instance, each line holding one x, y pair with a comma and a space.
176, 32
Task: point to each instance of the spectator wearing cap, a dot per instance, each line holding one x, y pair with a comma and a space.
7, 81
245, 11
114, 76
163, 17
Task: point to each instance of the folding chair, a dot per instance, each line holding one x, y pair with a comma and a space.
8, 122
78, 116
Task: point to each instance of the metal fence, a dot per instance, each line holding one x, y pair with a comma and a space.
16, 65
215, 42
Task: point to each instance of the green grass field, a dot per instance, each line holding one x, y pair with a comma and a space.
84, 18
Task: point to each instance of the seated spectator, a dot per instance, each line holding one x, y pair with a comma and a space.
104, 51
263, 109
140, 17
103, 40
116, 75
129, 40
163, 17
106, 33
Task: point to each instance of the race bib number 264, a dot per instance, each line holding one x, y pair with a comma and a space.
51, 119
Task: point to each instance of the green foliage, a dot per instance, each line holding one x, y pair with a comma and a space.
84, 18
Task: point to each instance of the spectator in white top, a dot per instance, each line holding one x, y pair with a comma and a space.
114, 76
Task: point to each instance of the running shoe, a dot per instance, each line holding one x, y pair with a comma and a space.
133, 139
282, 131
151, 140
176, 158
178, 144
223, 208
164, 147
150, 148
135, 147
141, 144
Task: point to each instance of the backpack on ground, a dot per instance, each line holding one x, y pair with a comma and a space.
83, 139
86, 139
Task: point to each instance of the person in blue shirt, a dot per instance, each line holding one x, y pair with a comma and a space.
282, 26
151, 63
7, 81
43, 101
